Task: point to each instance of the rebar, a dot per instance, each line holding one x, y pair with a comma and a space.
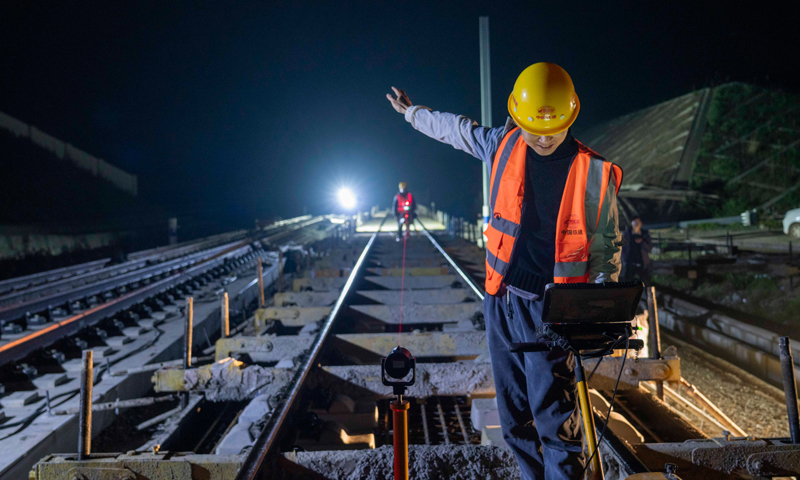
261, 301
425, 424
187, 333
225, 318
461, 423
85, 419
158, 419
156, 366
442, 422
790, 389
99, 407
187, 343
654, 334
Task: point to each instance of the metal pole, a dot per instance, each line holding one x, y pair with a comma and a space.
85, 419
187, 333
790, 389
261, 283
187, 344
400, 433
486, 104
225, 317
654, 334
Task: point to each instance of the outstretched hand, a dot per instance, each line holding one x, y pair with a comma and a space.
401, 103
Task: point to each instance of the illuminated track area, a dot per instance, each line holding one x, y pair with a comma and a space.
129, 315
294, 391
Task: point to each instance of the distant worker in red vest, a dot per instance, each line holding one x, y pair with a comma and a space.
553, 219
404, 208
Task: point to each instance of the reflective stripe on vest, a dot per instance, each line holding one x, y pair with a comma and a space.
401, 201
583, 195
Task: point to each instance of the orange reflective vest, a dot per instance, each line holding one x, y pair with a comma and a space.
404, 202
581, 202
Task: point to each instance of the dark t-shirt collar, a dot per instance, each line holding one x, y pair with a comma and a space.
567, 149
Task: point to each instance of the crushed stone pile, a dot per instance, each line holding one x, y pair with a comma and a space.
439, 462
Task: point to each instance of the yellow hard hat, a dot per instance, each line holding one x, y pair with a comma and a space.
402, 186
543, 101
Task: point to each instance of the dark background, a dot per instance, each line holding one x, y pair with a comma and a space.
234, 110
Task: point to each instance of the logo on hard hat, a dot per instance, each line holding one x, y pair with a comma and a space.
546, 112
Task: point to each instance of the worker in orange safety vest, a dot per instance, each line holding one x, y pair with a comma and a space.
404, 208
553, 218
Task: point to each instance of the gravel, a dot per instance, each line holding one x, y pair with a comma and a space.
750, 402
440, 462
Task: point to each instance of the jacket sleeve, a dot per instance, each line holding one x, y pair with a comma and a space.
605, 243
457, 131
394, 205
647, 243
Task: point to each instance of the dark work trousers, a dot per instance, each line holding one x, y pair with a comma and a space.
536, 396
401, 222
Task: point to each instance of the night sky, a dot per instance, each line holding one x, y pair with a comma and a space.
237, 110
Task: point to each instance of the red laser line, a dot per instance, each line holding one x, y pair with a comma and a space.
402, 286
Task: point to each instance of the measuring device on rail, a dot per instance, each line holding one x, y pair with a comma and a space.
591, 321
396, 368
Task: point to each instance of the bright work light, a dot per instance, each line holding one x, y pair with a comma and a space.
347, 199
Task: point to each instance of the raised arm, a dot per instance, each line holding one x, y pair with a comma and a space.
457, 131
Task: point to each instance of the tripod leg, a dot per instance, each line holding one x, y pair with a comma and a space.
596, 472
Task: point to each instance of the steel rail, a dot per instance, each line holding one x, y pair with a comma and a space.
452, 262
267, 439
87, 279
19, 310
188, 246
18, 283
312, 221
21, 347
39, 338
17, 289
16, 311
50, 278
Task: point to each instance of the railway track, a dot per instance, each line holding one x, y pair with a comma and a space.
295, 391
35, 317
138, 324
329, 335
733, 336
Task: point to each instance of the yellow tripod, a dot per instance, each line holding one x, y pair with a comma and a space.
594, 318
596, 471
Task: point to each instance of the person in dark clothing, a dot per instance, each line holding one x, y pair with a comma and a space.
636, 252
404, 208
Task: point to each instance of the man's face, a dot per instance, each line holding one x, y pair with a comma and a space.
544, 145
636, 224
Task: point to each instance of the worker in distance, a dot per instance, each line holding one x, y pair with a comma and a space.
553, 219
404, 208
